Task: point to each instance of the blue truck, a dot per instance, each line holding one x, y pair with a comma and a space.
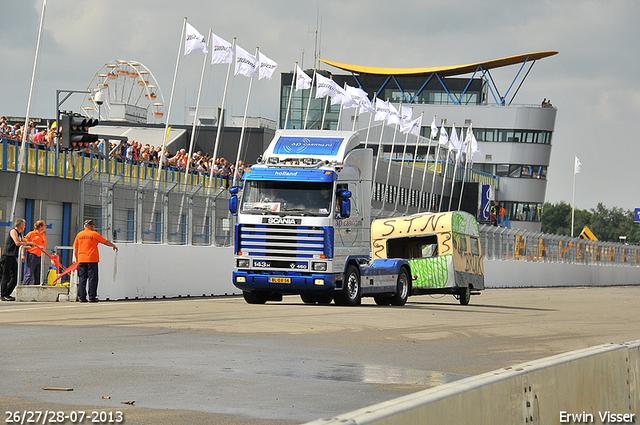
303, 224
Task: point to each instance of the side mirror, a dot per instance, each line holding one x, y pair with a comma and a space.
345, 203
233, 200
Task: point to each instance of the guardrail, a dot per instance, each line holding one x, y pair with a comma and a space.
501, 243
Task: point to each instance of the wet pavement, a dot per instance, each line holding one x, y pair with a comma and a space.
219, 360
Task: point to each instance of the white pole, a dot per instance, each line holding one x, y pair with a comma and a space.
366, 140
375, 170
306, 116
444, 176
195, 118
573, 198
455, 169
435, 170
173, 88
413, 167
25, 130
424, 171
244, 125
221, 120
293, 80
466, 166
340, 113
386, 185
404, 152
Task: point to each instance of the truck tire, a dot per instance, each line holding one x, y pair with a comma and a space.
403, 288
464, 295
350, 294
255, 297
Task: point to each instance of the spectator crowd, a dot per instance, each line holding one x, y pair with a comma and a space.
130, 152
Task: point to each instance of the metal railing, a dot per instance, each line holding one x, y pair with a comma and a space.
138, 210
501, 243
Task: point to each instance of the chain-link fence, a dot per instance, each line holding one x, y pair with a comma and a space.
501, 243
138, 210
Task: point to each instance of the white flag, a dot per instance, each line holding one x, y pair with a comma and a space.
406, 114
454, 142
267, 66
303, 81
222, 50
576, 168
343, 98
444, 137
325, 87
475, 149
411, 126
360, 98
415, 126
246, 63
195, 41
382, 110
434, 129
394, 115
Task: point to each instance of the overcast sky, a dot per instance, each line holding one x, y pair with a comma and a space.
594, 81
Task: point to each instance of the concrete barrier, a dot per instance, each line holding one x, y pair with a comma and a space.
593, 385
157, 271
40, 293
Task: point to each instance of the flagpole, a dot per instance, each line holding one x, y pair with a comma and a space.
366, 140
466, 166
404, 152
340, 112
375, 170
195, 118
413, 167
573, 201
293, 80
306, 117
435, 170
444, 176
455, 169
221, 118
424, 171
326, 103
393, 141
244, 124
173, 87
26, 120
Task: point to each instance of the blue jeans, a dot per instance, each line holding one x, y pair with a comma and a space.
32, 271
88, 272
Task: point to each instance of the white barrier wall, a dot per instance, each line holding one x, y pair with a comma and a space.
148, 271
593, 384
515, 274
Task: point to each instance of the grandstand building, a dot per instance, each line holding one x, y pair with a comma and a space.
515, 139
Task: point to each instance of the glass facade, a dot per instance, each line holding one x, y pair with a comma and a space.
513, 170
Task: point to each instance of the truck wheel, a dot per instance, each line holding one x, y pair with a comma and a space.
255, 297
350, 294
464, 295
308, 298
402, 290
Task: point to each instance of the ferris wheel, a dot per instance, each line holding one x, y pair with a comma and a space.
129, 92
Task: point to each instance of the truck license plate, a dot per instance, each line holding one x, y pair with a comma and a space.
280, 280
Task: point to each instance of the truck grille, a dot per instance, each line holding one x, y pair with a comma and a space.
284, 241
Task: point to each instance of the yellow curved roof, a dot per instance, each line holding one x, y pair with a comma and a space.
442, 70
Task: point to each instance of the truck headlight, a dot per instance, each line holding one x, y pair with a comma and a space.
241, 279
319, 267
242, 263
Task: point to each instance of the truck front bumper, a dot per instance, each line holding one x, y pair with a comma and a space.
286, 283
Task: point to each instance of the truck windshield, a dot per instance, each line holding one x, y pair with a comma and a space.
290, 198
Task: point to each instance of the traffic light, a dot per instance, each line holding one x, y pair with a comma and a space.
75, 131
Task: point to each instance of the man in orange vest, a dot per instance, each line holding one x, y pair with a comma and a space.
85, 251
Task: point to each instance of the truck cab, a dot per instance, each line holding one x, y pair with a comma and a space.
304, 222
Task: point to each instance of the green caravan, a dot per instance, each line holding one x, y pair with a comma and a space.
443, 251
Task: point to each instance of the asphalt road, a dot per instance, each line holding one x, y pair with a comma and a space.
220, 360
